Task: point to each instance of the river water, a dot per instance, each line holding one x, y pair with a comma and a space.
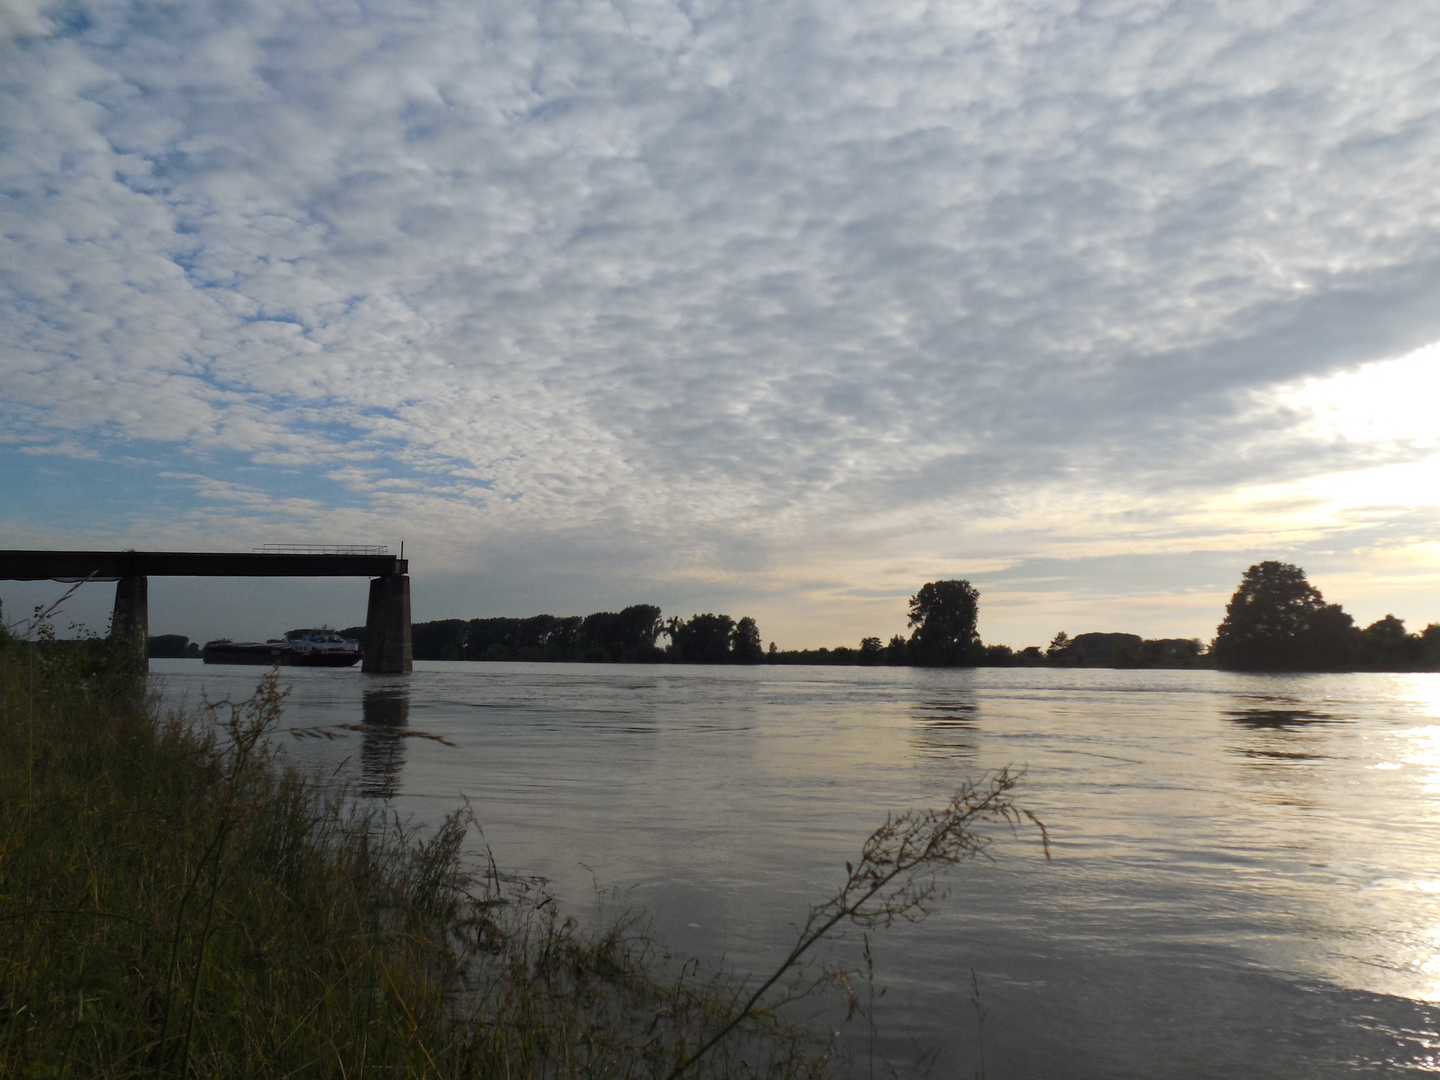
1245, 878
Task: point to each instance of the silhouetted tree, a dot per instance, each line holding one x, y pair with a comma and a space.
745, 642
1430, 647
620, 636
897, 652
871, 651
600, 637
1172, 651
639, 625
506, 639
1096, 649
1385, 646
944, 614
998, 656
442, 639
1278, 621
563, 640
705, 639
1387, 629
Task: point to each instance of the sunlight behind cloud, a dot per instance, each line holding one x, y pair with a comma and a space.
1388, 401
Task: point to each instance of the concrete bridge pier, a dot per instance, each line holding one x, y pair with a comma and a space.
387, 627
131, 616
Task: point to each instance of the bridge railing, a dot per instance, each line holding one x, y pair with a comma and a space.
323, 549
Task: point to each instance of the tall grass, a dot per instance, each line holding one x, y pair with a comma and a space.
174, 902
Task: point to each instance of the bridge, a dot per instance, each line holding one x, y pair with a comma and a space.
387, 620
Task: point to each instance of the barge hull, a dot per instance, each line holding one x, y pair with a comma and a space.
270, 655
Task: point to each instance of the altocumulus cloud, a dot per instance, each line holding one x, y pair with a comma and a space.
792, 305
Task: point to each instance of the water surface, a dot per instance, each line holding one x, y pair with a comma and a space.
1245, 877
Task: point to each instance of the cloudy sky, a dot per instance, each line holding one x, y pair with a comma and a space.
778, 308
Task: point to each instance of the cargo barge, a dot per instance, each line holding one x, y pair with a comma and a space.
306, 648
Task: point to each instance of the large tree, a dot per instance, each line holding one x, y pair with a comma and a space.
745, 647
944, 614
705, 639
1278, 621
623, 635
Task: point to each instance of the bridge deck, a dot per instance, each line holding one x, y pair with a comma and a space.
75, 565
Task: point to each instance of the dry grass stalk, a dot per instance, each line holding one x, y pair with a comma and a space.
897, 877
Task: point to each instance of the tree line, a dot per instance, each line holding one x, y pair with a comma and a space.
943, 618
630, 636
1278, 621
943, 614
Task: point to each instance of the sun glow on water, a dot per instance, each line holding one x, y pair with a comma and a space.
1418, 750
1424, 693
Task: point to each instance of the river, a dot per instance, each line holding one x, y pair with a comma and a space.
1245, 871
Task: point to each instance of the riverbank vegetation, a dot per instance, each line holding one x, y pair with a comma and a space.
627, 636
1278, 621
1097, 650
943, 617
175, 903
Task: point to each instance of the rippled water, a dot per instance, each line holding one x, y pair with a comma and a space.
1246, 870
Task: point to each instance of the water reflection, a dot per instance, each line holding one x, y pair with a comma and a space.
945, 728
385, 714
1282, 718
1283, 756
1287, 743
1245, 871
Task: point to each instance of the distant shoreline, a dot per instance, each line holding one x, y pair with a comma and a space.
793, 659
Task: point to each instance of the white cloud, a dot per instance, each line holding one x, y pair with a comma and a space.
23, 18
65, 448
736, 290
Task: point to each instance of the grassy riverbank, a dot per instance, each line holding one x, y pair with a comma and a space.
172, 903
175, 902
